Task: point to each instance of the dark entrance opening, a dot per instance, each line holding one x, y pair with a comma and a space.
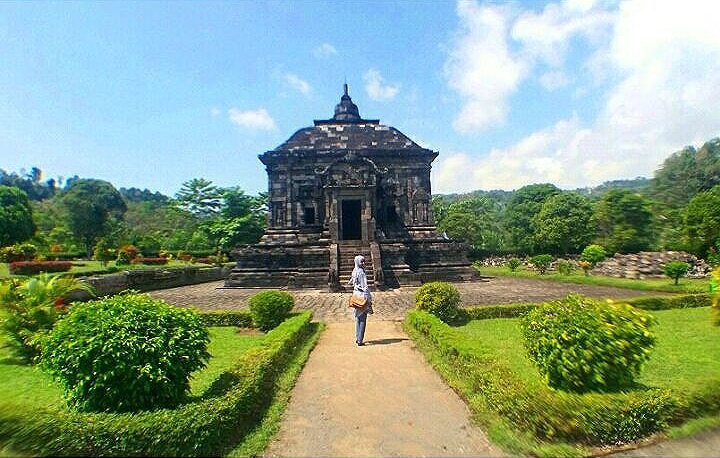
309, 216
351, 220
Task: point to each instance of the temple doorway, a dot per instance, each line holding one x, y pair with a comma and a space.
351, 229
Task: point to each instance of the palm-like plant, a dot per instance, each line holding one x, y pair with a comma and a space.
31, 307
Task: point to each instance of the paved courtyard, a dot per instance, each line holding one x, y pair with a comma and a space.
393, 304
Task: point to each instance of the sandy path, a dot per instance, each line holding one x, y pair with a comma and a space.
382, 399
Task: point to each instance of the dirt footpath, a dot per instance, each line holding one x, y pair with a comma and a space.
381, 399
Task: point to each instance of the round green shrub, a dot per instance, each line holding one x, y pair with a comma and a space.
541, 262
270, 308
565, 267
513, 264
582, 344
126, 353
441, 299
593, 254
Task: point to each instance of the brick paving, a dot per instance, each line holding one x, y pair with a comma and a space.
392, 304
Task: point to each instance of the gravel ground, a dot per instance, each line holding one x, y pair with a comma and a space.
391, 304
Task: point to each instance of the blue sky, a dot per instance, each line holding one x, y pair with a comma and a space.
151, 94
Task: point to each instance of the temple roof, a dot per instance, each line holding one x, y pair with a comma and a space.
347, 130
348, 136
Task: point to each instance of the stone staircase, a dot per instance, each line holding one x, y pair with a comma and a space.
347, 251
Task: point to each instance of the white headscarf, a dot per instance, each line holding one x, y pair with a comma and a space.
357, 270
358, 278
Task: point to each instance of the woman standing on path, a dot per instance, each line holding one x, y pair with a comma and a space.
358, 280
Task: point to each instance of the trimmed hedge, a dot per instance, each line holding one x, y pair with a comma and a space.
208, 427
592, 418
487, 312
684, 301
150, 261
35, 267
241, 319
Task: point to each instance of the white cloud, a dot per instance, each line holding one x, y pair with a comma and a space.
252, 119
376, 88
547, 35
553, 80
298, 83
661, 62
481, 67
497, 49
215, 112
324, 50
551, 155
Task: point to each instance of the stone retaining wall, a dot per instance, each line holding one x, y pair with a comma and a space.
151, 279
646, 264
650, 264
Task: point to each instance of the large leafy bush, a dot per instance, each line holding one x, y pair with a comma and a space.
582, 344
31, 307
270, 308
441, 299
18, 252
126, 353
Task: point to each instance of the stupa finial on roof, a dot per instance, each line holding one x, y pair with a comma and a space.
346, 110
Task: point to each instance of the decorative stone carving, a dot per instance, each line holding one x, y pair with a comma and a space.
346, 186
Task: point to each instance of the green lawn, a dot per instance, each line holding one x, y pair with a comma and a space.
27, 386
225, 346
684, 359
686, 285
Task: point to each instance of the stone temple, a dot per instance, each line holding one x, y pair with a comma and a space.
343, 187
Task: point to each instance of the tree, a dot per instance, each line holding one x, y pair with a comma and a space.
564, 224
676, 269
475, 220
200, 197
30, 183
520, 211
241, 220
16, 219
702, 221
91, 205
687, 172
624, 221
